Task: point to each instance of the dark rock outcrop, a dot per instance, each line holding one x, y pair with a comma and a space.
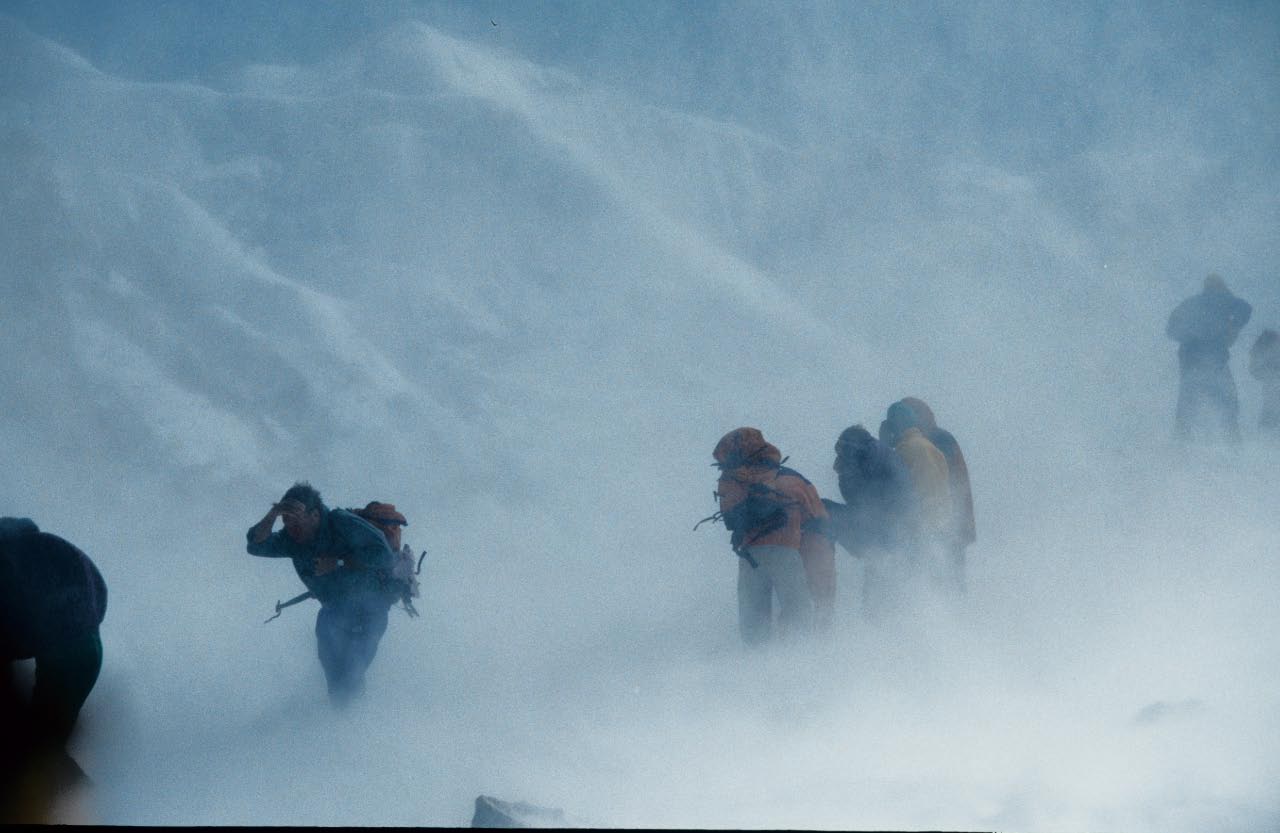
490, 812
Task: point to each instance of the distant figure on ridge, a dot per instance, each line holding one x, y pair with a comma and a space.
1264, 365
344, 562
767, 508
1205, 326
52, 600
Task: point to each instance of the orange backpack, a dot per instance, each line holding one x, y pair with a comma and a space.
402, 579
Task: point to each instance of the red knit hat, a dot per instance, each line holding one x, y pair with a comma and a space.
745, 446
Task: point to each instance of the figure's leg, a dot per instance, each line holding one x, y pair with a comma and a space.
755, 604
14, 733
1200, 400
331, 647
795, 602
890, 577
819, 557
1269, 417
1183, 416
365, 630
64, 677
37, 774
874, 585
1229, 403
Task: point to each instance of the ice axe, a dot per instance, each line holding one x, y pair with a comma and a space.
301, 597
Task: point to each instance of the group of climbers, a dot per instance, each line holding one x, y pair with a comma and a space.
907, 511
908, 508
906, 514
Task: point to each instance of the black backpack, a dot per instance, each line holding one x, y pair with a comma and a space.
761, 512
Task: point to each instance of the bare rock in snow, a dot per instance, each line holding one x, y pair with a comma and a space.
490, 812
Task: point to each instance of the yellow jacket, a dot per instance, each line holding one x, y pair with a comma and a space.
931, 482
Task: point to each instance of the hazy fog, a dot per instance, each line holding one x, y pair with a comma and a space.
516, 268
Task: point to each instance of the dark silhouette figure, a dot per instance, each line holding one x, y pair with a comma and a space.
52, 600
875, 521
876, 489
1205, 326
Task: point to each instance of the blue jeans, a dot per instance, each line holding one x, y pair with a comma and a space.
347, 637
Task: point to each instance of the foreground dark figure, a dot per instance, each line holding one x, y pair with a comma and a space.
344, 563
52, 600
